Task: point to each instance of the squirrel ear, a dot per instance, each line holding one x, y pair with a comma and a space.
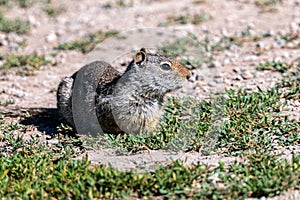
140, 57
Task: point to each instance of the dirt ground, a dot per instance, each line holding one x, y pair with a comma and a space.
138, 22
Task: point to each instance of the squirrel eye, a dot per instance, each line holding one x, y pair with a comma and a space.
165, 66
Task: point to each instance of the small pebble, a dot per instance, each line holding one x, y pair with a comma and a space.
268, 33
226, 61
237, 70
278, 59
214, 64
238, 78
212, 83
52, 37
247, 75
281, 42
32, 20
262, 44
294, 27
250, 58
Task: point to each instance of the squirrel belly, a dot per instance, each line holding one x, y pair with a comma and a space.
137, 104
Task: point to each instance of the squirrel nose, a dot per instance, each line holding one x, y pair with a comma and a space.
188, 76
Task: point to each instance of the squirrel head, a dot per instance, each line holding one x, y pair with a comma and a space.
152, 75
160, 64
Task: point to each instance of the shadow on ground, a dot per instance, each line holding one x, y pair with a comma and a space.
44, 119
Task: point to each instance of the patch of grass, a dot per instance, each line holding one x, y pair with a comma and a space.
22, 3
274, 66
267, 2
199, 1
119, 3
16, 25
261, 175
6, 102
253, 121
291, 40
267, 5
187, 19
87, 43
27, 64
290, 88
4, 2
36, 171
25, 3
54, 10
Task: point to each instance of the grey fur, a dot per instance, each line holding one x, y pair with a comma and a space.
133, 102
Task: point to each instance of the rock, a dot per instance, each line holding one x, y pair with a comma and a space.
281, 42
214, 64
32, 20
250, 58
286, 54
238, 78
252, 32
60, 58
268, 33
251, 25
3, 39
218, 76
264, 45
294, 28
224, 32
277, 59
1, 62
236, 70
51, 59
52, 37
13, 46
212, 83
14, 38
226, 61
247, 75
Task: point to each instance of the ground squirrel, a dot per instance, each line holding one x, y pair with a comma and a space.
132, 102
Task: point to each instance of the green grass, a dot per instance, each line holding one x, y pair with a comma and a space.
118, 4
26, 64
279, 66
21, 3
267, 5
187, 19
6, 102
51, 9
34, 171
267, 2
88, 42
54, 10
16, 25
